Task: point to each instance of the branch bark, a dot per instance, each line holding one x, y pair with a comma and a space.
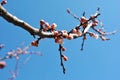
18, 22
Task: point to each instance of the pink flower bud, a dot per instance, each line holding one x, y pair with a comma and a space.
69, 37
53, 26
83, 19
35, 43
79, 33
74, 31
95, 21
59, 40
11, 53
19, 50
63, 49
64, 33
42, 22
56, 33
95, 36
47, 25
2, 64
91, 34
65, 57
94, 24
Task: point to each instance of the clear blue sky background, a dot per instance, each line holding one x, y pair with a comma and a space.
99, 60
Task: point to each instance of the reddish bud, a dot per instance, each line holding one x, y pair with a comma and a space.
47, 25
91, 34
103, 38
42, 22
74, 30
2, 64
69, 37
35, 43
63, 49
95, 21
95, 36
65, 57
64, 33
79, 33
83, 19
56, 33
59, 40
94, 24
53, 26
19, 51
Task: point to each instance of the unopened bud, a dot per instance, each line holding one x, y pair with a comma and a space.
68, 10
42, 22
53, 26
2, 64
65, 57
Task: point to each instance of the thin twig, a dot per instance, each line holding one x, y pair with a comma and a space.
15, 72
62, 64
82, 45
68, 10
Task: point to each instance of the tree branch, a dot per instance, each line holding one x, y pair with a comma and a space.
18, 22
49, 31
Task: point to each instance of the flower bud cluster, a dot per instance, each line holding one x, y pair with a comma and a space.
96, 36
45, 26
94, 21
59, 35
84, 22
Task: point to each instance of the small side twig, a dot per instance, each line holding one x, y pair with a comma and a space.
15, 72
68, 11
62, 64
83, 41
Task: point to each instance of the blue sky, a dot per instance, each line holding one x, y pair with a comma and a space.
98, 61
